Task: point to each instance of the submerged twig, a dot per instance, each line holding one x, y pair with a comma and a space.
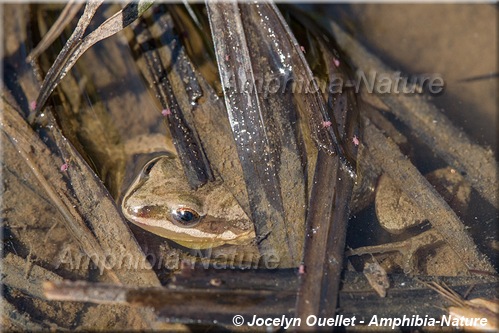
327, 221
407, 248
264, 293
33, 287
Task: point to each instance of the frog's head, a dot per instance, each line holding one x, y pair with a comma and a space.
161, 201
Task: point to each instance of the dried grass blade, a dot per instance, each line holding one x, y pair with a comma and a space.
23, 139
156, 71
91, 215
76, 46
249, 123
67, 14
52, 78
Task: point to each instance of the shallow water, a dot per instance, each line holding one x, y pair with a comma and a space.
461, 48
401, 41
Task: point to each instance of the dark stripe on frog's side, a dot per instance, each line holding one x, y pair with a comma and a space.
207, 224
149, 212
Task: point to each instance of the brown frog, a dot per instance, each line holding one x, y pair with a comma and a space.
160, 201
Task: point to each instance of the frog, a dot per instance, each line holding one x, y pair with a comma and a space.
160, 201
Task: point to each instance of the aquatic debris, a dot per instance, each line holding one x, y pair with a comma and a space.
166, 112
64, 167
377, 277
216, 282
355, 140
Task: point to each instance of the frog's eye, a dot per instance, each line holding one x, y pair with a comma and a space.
186, 217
